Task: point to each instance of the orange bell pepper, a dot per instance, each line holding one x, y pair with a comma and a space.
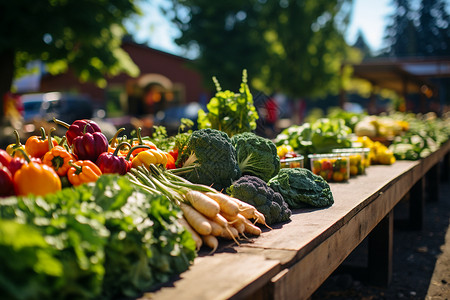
35, 178
83, 171
37, 146
57, 157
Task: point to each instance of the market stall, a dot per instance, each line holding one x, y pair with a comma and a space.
294, 259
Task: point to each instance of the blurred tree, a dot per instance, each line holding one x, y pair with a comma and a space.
362, 45
421, 32
434, 31
84, 35
401, 33
289, 46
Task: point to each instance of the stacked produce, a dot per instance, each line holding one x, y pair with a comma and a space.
425, 135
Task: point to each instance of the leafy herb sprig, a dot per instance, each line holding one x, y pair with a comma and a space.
230, 112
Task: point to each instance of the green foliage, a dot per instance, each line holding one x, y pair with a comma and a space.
301, 188
165, 142
320, 136
104, 240
350, 118
213, 157
294, 47
256, 155
230, 112
423, 137
84, 35
256, 192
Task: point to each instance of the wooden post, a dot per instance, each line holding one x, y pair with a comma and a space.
417, 205
432, 179
380, 251
445, 171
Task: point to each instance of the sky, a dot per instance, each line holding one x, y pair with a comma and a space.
369, 16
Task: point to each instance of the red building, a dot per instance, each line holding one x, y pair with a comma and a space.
165, 80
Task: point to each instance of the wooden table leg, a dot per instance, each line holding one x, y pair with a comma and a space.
380, 251
417, 205
432, 183
445, 171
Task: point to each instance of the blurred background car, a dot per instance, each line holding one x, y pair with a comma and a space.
171, 117
67, 107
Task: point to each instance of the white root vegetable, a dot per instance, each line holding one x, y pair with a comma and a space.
198, 221
251, 229
195, 236
226, 204
203, 203
211, 241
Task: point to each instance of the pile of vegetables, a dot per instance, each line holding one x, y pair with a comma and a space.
425, 135
321, 136
207, 213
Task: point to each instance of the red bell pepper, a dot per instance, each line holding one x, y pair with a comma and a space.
5, 158
6, 182
78, 128
113, 163
89, 146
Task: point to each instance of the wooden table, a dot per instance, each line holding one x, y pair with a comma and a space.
295, 258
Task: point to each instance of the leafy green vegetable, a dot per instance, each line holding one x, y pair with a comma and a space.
104, 240
75, 238
210, 159
256, 192
230, 112
256, 155
146, 246
165, 142
301, 188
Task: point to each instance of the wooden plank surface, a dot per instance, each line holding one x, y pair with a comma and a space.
294, 258
219, 276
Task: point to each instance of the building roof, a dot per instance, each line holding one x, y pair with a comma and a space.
403, 75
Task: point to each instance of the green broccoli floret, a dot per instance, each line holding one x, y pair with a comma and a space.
213, 157
256, 155
302, 188
256, 192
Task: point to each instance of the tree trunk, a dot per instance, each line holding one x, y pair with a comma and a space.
6, 75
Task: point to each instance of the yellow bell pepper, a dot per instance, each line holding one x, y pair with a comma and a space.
150, 156
12, 149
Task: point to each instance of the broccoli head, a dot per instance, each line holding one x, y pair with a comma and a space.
255, 191
256, 155
302, 188
213, 156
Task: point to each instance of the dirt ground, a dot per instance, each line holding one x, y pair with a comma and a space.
421, 260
